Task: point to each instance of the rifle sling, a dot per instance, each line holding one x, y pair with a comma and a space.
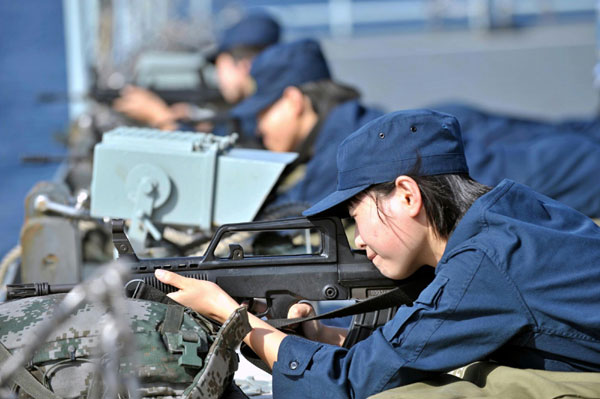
173, 319
395, 297
149, 293
26, 380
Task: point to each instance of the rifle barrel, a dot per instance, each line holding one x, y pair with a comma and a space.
18, 291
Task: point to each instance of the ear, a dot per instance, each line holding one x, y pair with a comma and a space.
295, 98
409, 194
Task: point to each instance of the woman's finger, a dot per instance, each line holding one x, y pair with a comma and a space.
175, 296
300, 310
170, 278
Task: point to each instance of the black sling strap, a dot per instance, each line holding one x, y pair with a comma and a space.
395, 297
392, 298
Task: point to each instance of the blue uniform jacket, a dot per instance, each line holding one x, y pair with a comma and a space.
519, 282
560, 160
321, 170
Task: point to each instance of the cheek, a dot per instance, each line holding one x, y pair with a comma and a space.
275, 130
388, 246
225, 86
227, 77
222, 74
235, 76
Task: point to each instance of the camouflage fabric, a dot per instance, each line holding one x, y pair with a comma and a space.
221, 361
174, 354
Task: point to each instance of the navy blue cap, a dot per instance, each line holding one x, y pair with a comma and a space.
257, 29
390, 146
280, 66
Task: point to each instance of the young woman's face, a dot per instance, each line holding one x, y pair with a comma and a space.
391, 237
233, 77
279, 125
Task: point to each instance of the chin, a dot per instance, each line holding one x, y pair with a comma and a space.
395, 273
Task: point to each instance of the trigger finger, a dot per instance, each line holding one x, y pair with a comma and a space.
300, 310
170, 278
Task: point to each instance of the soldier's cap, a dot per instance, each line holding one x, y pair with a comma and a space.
280, 66
256, 29
421, 142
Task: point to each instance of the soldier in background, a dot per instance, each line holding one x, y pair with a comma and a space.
298, 107
559, 159
233, 59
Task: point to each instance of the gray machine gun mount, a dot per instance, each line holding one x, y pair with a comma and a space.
154, 178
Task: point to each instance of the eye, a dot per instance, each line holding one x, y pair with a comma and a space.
352, 211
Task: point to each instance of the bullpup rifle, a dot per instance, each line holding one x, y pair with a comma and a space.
325, 269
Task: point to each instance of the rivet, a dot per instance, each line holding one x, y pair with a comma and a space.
381, 135
72, 352
413, 128
293, 365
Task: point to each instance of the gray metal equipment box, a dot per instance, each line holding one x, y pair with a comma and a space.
180, 178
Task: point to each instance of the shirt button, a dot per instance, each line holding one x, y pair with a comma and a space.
293, 365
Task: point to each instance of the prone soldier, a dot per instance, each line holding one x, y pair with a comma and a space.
299, 107
233, 58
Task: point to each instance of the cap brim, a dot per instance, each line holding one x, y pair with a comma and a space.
255, 104
335, 203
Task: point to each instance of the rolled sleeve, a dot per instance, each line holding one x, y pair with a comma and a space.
294, 355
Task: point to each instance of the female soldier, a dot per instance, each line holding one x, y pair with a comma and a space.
299, 107
238, 46
516, 276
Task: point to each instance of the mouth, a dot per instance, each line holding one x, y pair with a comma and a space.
371, 256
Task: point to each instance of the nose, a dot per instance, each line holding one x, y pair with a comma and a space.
258, 130
358, 241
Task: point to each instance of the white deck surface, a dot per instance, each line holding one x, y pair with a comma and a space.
260, 388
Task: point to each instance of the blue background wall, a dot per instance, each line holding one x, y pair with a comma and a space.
32, 61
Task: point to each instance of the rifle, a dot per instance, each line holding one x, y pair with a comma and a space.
170, 96
329, 270
199, 96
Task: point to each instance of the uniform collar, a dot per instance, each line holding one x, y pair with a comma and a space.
474, 222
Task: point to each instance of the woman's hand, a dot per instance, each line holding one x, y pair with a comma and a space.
311, 329
180, 110
204, 297
314, 329
210, 300
145, 106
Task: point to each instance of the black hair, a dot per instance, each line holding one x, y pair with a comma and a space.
446, 198
243, 52
326, 94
